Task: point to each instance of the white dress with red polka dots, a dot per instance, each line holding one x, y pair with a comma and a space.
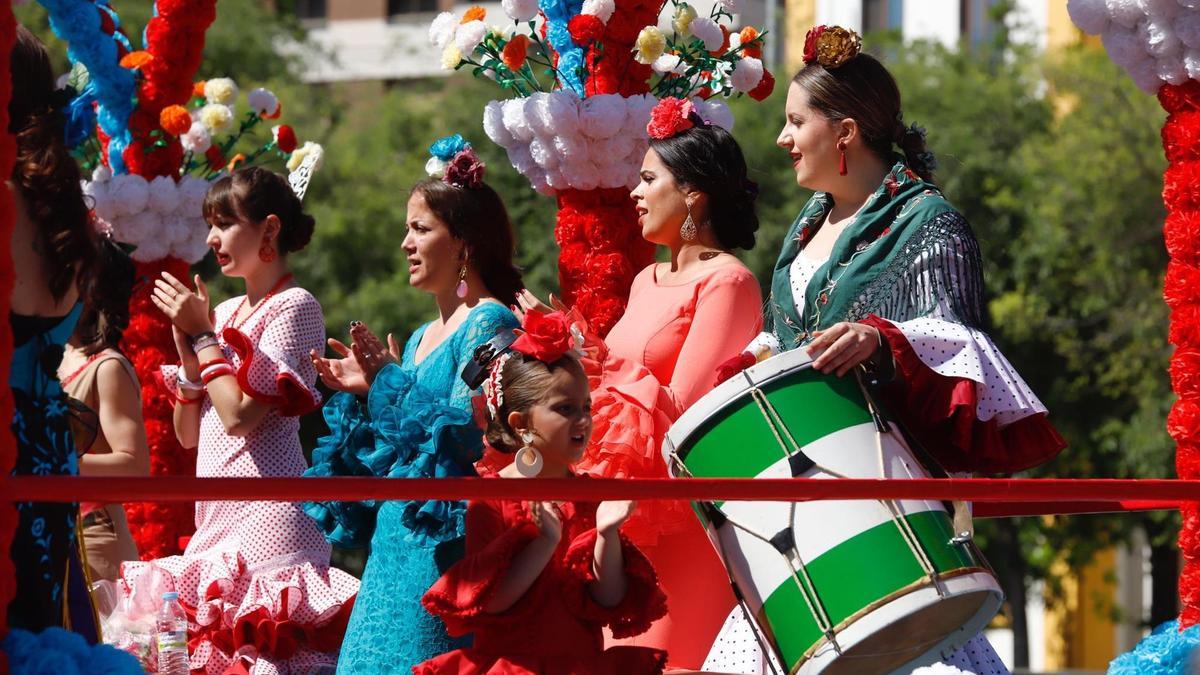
255, 577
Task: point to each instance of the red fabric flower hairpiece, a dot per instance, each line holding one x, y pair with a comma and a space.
545, 337
465, 170
670, 116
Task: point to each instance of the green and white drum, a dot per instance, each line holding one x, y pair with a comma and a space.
854, 586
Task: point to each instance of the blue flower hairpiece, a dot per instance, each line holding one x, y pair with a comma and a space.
447, 147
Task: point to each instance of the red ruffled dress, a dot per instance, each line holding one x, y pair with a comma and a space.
556, 628
255, 577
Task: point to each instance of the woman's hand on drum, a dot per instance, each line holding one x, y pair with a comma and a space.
839, 348
370, 352
610, 515
548, 520
186, 308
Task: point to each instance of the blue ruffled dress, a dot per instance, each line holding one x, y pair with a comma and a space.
417, 422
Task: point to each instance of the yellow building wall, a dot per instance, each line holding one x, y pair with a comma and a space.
798, 17
1079, 630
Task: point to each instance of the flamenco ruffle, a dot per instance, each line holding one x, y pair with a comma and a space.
643, 603
279, 619
347, 524
1165, 651
941, 412
404, 431
261, 370
62, 652
630, 417
458, 598
560, 597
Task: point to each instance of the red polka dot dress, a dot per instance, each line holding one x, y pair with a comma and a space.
255, 577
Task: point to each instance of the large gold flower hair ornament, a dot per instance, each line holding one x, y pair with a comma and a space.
831, 46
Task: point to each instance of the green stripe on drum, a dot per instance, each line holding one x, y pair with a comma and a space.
854, 575
738, 442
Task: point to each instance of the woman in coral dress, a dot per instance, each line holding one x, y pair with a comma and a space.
540, 580
255, 577
684, 318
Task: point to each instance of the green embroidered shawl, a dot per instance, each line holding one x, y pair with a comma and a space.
907, 254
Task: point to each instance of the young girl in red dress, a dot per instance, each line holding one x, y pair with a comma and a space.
540, 580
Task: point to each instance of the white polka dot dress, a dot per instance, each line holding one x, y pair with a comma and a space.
257, 573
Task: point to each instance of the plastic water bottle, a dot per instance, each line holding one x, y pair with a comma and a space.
171, 630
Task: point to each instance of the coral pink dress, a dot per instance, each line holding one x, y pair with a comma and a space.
660, 358
556, 627
255, 577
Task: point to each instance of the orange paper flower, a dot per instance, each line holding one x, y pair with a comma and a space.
175, 120
198, 89
515, 52
134, 60
748, 35
237, 161
475, 13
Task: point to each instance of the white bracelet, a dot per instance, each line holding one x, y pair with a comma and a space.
186, 384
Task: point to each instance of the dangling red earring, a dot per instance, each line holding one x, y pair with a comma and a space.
267, 252
842, 164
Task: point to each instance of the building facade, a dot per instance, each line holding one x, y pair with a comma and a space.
386, 40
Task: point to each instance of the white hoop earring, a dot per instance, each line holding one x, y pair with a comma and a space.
528, 460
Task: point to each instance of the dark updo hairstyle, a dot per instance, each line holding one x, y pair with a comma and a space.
105, 314
707, 158
525, 381
862, 89
477, 217
253, 193
45, 174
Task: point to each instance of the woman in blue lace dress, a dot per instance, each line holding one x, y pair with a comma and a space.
409, 415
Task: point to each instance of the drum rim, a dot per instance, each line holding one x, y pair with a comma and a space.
728, 393
916, 586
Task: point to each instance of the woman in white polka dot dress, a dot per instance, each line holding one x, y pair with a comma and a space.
879, 270
255, 577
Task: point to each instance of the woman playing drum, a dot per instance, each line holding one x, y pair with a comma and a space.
880, 271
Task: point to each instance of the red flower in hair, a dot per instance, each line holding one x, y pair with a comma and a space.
545, 337
810, 43
670, 116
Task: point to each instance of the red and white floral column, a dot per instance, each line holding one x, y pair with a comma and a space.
1158, 43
